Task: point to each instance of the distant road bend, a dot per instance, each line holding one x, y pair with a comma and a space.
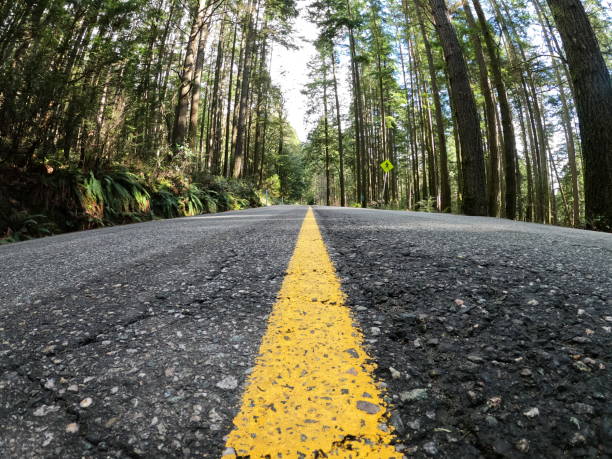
323, 332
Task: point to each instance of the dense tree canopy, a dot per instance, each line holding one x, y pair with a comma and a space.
491, 107
476, 104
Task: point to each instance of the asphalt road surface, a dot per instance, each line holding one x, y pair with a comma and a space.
491, 338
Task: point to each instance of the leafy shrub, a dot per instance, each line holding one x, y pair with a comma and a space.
164, 204
190, 203
426, 205
124, 192
92, 198
22, 226
51, 198
115, 196
234, 194
209, 199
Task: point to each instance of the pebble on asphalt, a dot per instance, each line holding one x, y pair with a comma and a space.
228, 383
86, 402
414, 394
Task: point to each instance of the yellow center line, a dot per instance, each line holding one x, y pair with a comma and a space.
312, 392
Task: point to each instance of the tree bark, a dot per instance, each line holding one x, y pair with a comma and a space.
485, 88
238, 160
359, 138
566, 117
509, 142
339, 123
181, 124
593, 94
472, 154
445, 191
326, 127
196, 88
228, 131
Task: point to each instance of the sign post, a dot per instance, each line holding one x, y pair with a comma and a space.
386, 166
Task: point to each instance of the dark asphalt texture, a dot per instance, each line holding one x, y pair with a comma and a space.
492, 336
141, 323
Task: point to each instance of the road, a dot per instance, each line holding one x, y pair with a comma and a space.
491, 338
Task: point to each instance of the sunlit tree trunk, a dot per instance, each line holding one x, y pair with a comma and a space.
593, 92
181, 124
474, 187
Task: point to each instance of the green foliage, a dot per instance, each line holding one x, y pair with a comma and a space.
48, 200
426, 205
234, 194
22, 226
190, 203
115, 196
209, 200
164, 204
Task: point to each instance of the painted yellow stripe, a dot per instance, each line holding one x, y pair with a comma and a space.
311, 393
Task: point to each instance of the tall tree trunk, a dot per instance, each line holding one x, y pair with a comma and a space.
359, 138
445, 192
527, 91
412, 117
238, 159
526, 149
228, 131
262, 147
509, 142
326, 127
593, 91
409, 137
540, 133
339, 123
238, 88
181, 123
196, 88
212, 143
485, 88
262, 89
472, 154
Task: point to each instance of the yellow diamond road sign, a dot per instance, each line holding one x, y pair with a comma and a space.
386, 165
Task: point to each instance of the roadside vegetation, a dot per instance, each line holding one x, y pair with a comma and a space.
484, 107
50, 200
113, 111
117, 112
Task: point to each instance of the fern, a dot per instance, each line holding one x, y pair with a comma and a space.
91, 196
164, 204
23, 226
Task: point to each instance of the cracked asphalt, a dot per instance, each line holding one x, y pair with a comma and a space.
492, 337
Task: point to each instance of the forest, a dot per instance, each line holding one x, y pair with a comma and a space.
114, 111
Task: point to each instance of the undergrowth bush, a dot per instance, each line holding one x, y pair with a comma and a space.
229, 194
23, 226
426, 205
45, 200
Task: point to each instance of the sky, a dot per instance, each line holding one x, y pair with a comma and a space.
290, 73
